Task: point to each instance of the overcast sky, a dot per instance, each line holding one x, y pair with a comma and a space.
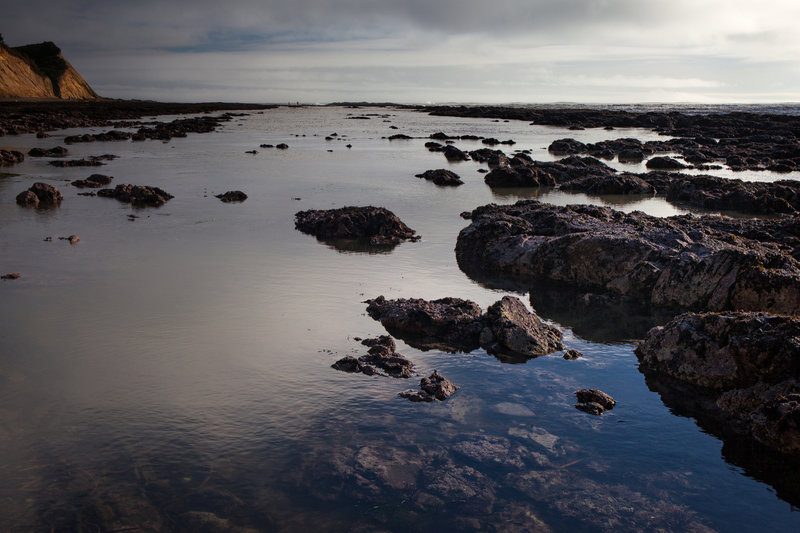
417, 51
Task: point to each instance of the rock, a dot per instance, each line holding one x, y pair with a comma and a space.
10, 157
690, 262
513, 330
566, 147
232, 196
93, 181
749, 363
57, 151
434, 146
711, 192
40, 195
664, 163
382, 354
454, 154
594, 401
572, 354
609, 184
441, 177
449, 324
137, 195
507, 330
434, 387
282, 146
399, 136
630, 155
375, 226
13, 275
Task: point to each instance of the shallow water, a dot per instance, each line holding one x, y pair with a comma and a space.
174, 369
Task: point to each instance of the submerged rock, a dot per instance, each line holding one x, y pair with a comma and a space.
40, 195
232, 196
748, 363
137, 195
689, 262
373, 225
441, 177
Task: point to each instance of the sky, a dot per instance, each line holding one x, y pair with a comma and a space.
424, 51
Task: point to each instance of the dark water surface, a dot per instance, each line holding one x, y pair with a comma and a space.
172, 372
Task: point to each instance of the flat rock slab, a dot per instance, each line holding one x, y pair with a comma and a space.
137, 195
376, 226
703, 263
749, 363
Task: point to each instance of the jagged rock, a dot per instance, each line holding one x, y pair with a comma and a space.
137, 195
512, 329
382, 354
441, 177
375, 226
434, 387
232, 196
690, 262
748, 362
572, 354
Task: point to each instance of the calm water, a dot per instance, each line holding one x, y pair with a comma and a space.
173, 371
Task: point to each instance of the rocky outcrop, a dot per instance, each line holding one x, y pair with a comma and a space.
609, 184
232, 196
376, 226
40, 71
57, 151
433, 387
521, 171
137, 195
749, 364
10, 157
94, 181
664, 163
382, 355
442, 177
40, 195
704, 263
711, 192
507, 330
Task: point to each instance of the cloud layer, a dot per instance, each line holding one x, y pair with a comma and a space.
418, 51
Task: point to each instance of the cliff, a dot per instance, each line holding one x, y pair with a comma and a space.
40, 71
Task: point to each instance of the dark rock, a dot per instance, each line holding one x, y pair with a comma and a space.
10, 157
449, 324
441, 177
13, 275
232, 196
609, 184
594, 401
58, 151
710, 192
382, 354
282, 146
40, 195
664, 163
434, 387
630, 155
680, 262
748, 362
572, 354
399, 136
482, 155
93, 181
454, 154
566, 147
375, 226
434, 146
439, 136
513, 330
137, 195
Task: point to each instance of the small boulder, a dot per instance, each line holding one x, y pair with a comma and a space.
441, 177
594, 401
232, 196
40, 195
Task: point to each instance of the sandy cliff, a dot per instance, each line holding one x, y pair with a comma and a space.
39, 71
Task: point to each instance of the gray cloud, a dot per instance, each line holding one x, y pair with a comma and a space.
522, 50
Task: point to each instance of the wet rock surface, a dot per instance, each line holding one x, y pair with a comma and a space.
137, 195
507, 330
382, 355
232, 196
94, 181
689, 262
40, 195
441, 177
58, 151
747, 364
433, 387
10, 157
594, 401
376, 226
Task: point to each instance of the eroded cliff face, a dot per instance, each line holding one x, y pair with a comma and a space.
27, 72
